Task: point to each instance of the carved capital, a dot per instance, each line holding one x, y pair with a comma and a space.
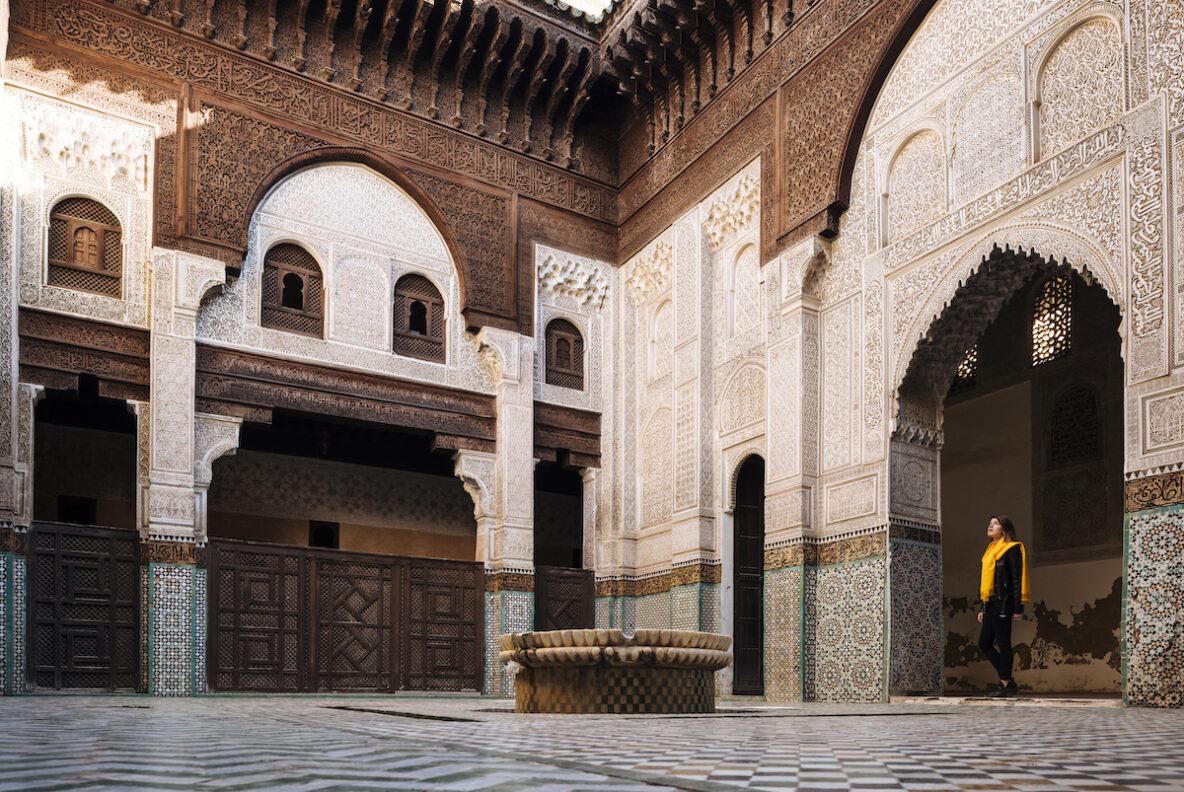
214, 436
478, 472
802, 267
195, 277
502, 351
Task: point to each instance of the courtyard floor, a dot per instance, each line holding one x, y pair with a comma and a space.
470, 743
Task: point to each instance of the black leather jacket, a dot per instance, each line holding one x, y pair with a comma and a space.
1009, 570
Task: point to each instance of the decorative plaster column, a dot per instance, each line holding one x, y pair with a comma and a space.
170, 476
792, 470
506, 534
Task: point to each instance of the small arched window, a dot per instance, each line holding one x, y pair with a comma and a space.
419, 319
1052, 320
85, 248
292, 291
565, 355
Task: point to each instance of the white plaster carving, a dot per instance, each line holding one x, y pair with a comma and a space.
916, 190
650, 274
571, 277
1080, 87
731, 213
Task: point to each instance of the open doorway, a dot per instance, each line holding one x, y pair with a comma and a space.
749, 574
1032, 426
565, 598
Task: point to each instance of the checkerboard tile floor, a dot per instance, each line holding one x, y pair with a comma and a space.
265, 743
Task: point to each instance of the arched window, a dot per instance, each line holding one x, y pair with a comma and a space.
292, 291
419, 319
85, 250
1052, 320
565, 355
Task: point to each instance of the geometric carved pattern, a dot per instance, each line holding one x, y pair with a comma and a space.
1081, 85
85, 607
1052, 320
917, 185
298, 619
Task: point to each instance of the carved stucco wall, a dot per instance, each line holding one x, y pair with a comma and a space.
365, 233
582, 291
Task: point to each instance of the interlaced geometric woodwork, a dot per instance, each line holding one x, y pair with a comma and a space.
1074, 428
419, 319
84, 607
292, 292
565, 355
1052, 320
85, 247
302, 619
565, 598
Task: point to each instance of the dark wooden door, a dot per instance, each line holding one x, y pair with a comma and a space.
443, 633
257, 618
564, 598
84, 618
355, 611
748, 590
304, 619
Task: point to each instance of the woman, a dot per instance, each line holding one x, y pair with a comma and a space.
1004, 590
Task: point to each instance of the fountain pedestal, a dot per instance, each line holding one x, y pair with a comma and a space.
607, 671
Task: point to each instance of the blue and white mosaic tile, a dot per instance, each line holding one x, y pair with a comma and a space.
783, 634
19, 651
1153, 620
845, 642
915, 630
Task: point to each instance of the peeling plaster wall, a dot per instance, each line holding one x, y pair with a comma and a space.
1069, 642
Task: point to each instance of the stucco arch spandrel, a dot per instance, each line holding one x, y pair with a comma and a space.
744, 397
381, 165
1051, 240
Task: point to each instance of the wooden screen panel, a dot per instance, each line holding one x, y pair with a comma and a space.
356, 613
444, 649
566, 598
257, 618
83, 607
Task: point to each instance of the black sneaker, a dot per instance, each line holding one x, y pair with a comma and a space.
999, 692
1010, 690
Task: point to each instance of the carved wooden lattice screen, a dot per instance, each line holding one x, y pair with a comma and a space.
418, 319
83, 607
565, 355
85, 247
302, 619
293, 291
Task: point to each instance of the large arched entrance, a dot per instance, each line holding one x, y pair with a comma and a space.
1015, 396
749, 552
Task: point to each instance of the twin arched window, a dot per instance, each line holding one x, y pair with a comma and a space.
564, 355
85, 248
419, 319
292, 291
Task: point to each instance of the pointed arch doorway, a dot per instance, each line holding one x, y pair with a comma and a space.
1013, 401
748, 525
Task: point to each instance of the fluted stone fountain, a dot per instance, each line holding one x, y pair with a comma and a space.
610, 671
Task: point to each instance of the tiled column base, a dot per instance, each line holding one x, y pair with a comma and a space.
615, 689
916, 652
506, 611
1153, 621
783, 634
12, 623
173, 629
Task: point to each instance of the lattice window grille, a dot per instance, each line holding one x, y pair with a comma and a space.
85, 247
1074, 428
293, 291
1052, 320
966, 376
419, 322
565, 355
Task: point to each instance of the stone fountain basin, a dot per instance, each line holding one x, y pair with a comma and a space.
660, 648
610, 671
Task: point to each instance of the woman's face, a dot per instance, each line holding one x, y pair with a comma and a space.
994, 529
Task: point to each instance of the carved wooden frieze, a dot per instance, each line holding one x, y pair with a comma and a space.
233, 383
55, 349
565, 429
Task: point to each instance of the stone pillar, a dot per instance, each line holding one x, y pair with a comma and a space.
507, 531
1152, 619
792, 468
169, 469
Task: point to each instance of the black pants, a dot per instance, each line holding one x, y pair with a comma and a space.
996, 632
